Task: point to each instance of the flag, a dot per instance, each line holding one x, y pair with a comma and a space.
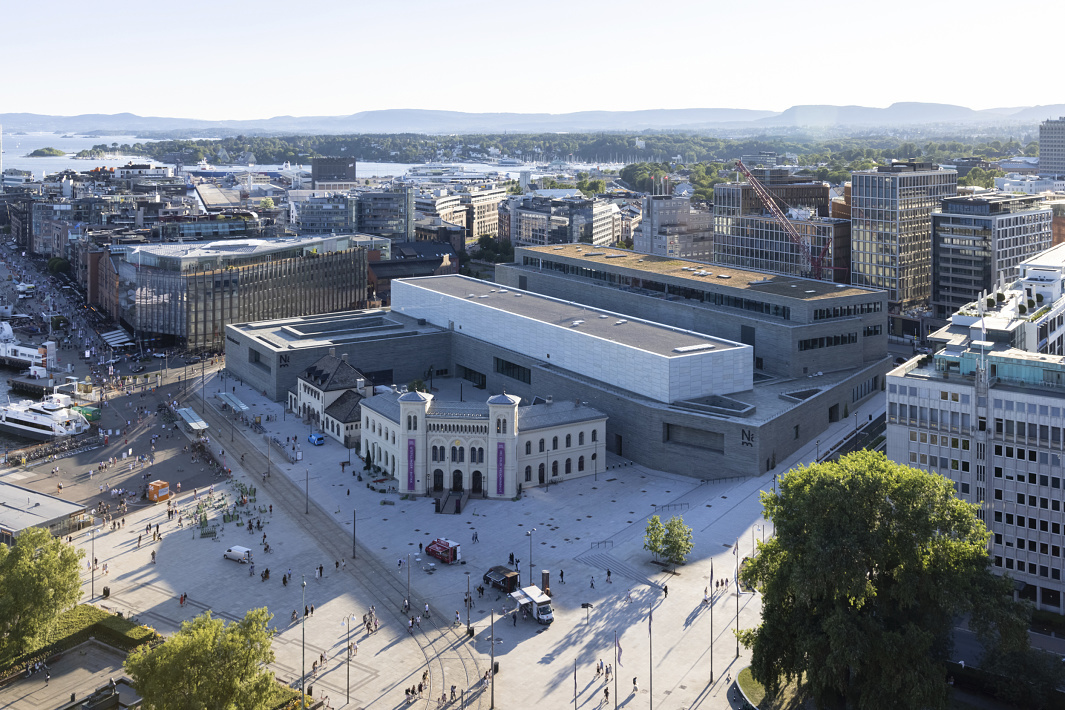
617, 642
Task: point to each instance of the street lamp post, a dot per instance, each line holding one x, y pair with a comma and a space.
351, 619
93, 565
492, 668
307, 492
530, 534
408, 578
303, 661
354, 530
818, 457
469, 603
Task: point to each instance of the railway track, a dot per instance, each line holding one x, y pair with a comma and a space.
446, 653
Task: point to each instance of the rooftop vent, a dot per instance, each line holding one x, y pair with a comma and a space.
810, 291
603, 316
694, 348
620, 322
724, 276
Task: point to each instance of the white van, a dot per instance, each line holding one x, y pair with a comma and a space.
240, 554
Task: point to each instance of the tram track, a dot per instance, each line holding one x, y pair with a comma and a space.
449, 658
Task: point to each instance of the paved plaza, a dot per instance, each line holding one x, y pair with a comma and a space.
580, 529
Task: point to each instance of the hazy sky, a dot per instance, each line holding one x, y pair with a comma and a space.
235, 60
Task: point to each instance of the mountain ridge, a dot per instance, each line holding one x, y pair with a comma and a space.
432, 121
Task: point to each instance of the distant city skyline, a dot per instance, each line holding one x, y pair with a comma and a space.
245, 60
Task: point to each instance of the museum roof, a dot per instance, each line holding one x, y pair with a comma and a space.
696, 274
593, 322
346, 409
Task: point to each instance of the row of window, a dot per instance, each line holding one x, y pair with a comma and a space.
458, 454
847, 311
554, 442
829, 341
568, 468
1043, 525
1041, 570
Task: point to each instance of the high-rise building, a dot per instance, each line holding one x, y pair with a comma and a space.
333, 173
326, 214
891, 230
671, 227
387, 213
979, 241
1052, 147
990, 416
482, 205
748, 236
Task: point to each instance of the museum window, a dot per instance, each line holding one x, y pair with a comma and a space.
528, 474
528, 448
595, 435
541, 446
580, 438
554, 443
580, 463
554, 468
569, 465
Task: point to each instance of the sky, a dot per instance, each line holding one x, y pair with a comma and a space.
231, 59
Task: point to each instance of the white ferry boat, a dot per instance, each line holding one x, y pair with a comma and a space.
42, 421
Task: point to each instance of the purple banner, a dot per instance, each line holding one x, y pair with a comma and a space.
410, 464
501, 462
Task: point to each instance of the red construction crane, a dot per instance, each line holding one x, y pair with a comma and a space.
793, 234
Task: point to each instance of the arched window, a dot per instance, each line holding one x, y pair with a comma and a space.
528, 448
505, 426
580, 464
595, 435
408, 422
480, 455
569, 441
499, 426
415, 423
580, 438
528, 474
541, 446
569, 465
554, 443
462, 453
554, 468
454, 453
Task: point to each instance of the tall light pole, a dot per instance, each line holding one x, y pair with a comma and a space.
93, 565
306, 491
817, 459
203, 387
469, 603
354, 530
530, 534
351, 619
303, 662
408, 578
492, 667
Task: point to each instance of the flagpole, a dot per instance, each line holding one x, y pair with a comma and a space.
650, 660
737, 555
711, 624
574, 684
615, 670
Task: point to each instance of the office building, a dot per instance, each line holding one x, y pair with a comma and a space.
979, 241
991, 418
1052, 147
671, 227
747, 235
387, 213
323, 214
536, 221
482, 210
186, 293
891, 233
333, 173
1027, 314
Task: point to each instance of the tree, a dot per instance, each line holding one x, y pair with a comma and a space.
654, 537
871, 563
677, 541
267, 203
369, 462
208, 664
38, 581
416, 386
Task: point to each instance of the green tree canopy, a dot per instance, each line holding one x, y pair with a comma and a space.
267, 203
677, 541
655, 536
871, 563
38, 581
208, 664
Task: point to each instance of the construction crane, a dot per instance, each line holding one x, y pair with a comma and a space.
815, 263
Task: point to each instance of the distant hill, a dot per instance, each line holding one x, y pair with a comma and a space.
431, 121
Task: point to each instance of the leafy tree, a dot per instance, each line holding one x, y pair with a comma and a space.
267, 203
369, 462
416, 386
677, 541
654, 537
208, 664
1026, 678
871, 563
58, 265
38, 581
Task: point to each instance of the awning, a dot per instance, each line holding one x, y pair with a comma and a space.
116, 338
192, 419
233, 402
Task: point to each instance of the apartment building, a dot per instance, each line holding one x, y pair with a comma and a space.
671, 227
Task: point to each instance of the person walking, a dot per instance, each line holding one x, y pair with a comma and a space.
593, 582
635, 688
561, 577
426, 610
665, 590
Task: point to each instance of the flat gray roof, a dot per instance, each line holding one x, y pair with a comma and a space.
330, 329
22, 508
693, 274
594, 322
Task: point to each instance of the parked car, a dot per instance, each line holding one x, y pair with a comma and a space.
137, 368
316, 439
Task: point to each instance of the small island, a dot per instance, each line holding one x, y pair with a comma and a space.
46, 153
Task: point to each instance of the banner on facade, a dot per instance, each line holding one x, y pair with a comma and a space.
501, 462
410, 464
